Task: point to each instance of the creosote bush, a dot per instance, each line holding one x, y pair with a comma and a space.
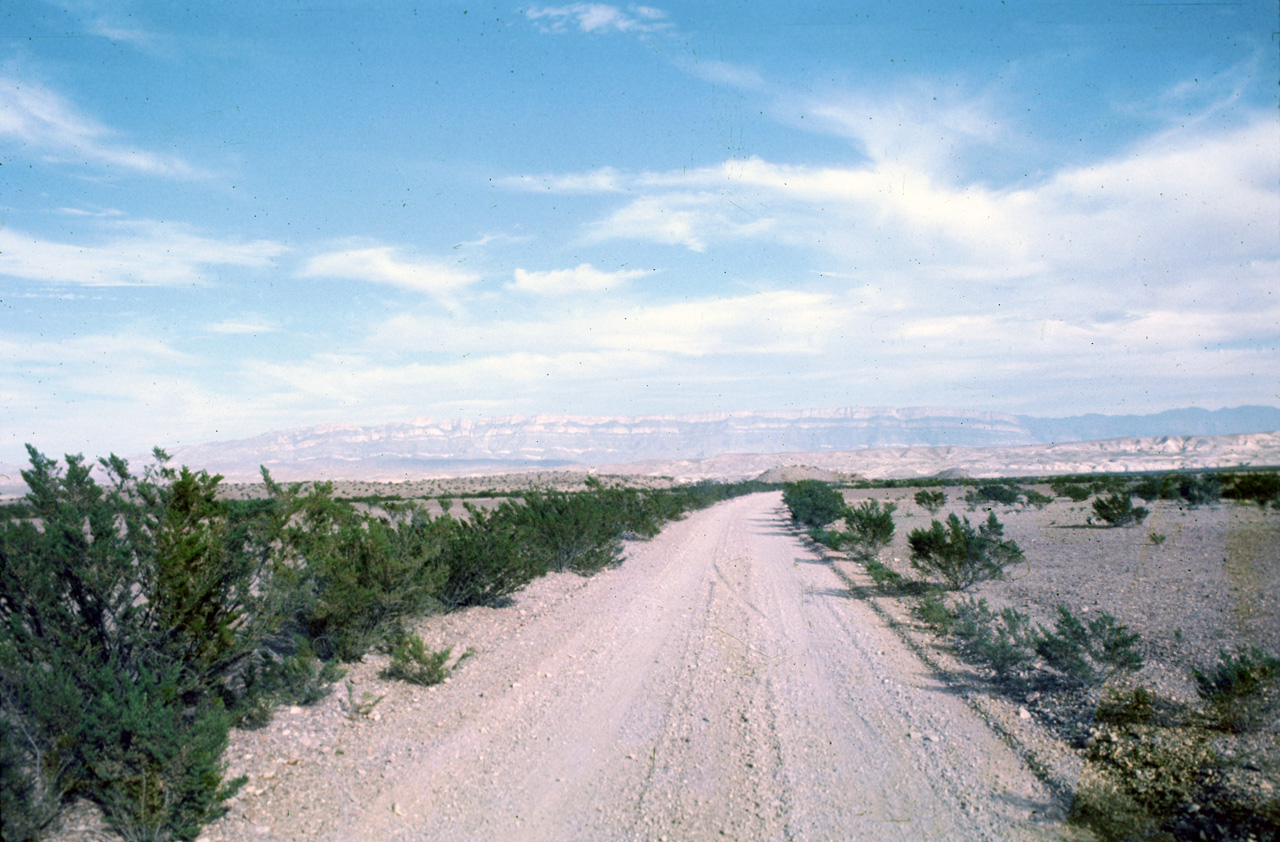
870, 526
1242, 690
1003, 640
812, 502
1088, 653
961, 555
930, 500
1074, 492
126, 612
1117, 509
412, 662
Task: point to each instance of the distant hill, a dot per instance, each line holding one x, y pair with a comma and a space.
560, 441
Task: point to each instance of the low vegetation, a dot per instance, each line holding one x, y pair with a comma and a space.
1117, 509
960, 555
930, 500
142, 618
870, 527
813, 503
1155, 769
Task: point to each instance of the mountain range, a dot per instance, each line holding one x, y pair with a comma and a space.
424, 447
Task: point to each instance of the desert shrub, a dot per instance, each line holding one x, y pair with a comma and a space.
1074, 492
1242, 689
812, 502
933, 612
1260, 487
411, 661
960, 555
1200, 489
931, 501
870, 526
884, 576
1003, 640
1088, 653
1162, 487
127, 612
487, 558
367, 576
1117, 509
154, 763
996, 492
1031, 497
827, 537
570, 531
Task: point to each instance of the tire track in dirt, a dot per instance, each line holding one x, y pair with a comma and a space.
719, 684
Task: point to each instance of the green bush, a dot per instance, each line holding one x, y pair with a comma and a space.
487, 558
1200, 489
1259, 487
931, 501
412, 662
1117, 509
870, 527
1035, 498
572, 531
126, 613
884, 576
1072, 491
1088, 654
367, 576
933, 612
1242, 689
827, 537
995, 492
960, 555
813, 503
1163, 487
1195, 489
1004, 640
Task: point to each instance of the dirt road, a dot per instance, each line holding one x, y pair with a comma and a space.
719, 684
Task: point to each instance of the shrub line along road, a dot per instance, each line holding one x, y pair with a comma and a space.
721, 683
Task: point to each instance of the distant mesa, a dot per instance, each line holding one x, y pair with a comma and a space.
741, 444
833, 444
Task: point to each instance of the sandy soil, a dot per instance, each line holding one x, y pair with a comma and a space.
720, 683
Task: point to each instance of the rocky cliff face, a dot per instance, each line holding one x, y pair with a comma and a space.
502, 443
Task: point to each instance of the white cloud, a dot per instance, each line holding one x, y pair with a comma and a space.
599, 18
382, 265
691, 220
582, 278
763, 323
603, 180
144, 252
54, 128
249, 324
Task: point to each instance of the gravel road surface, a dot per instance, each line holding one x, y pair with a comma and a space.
719, 684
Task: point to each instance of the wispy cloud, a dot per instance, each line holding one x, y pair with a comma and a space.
383, 265
582, 278
249, 324
599, 18
46, 124
141, 252
686, 219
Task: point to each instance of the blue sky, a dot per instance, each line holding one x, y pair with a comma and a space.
218, 219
